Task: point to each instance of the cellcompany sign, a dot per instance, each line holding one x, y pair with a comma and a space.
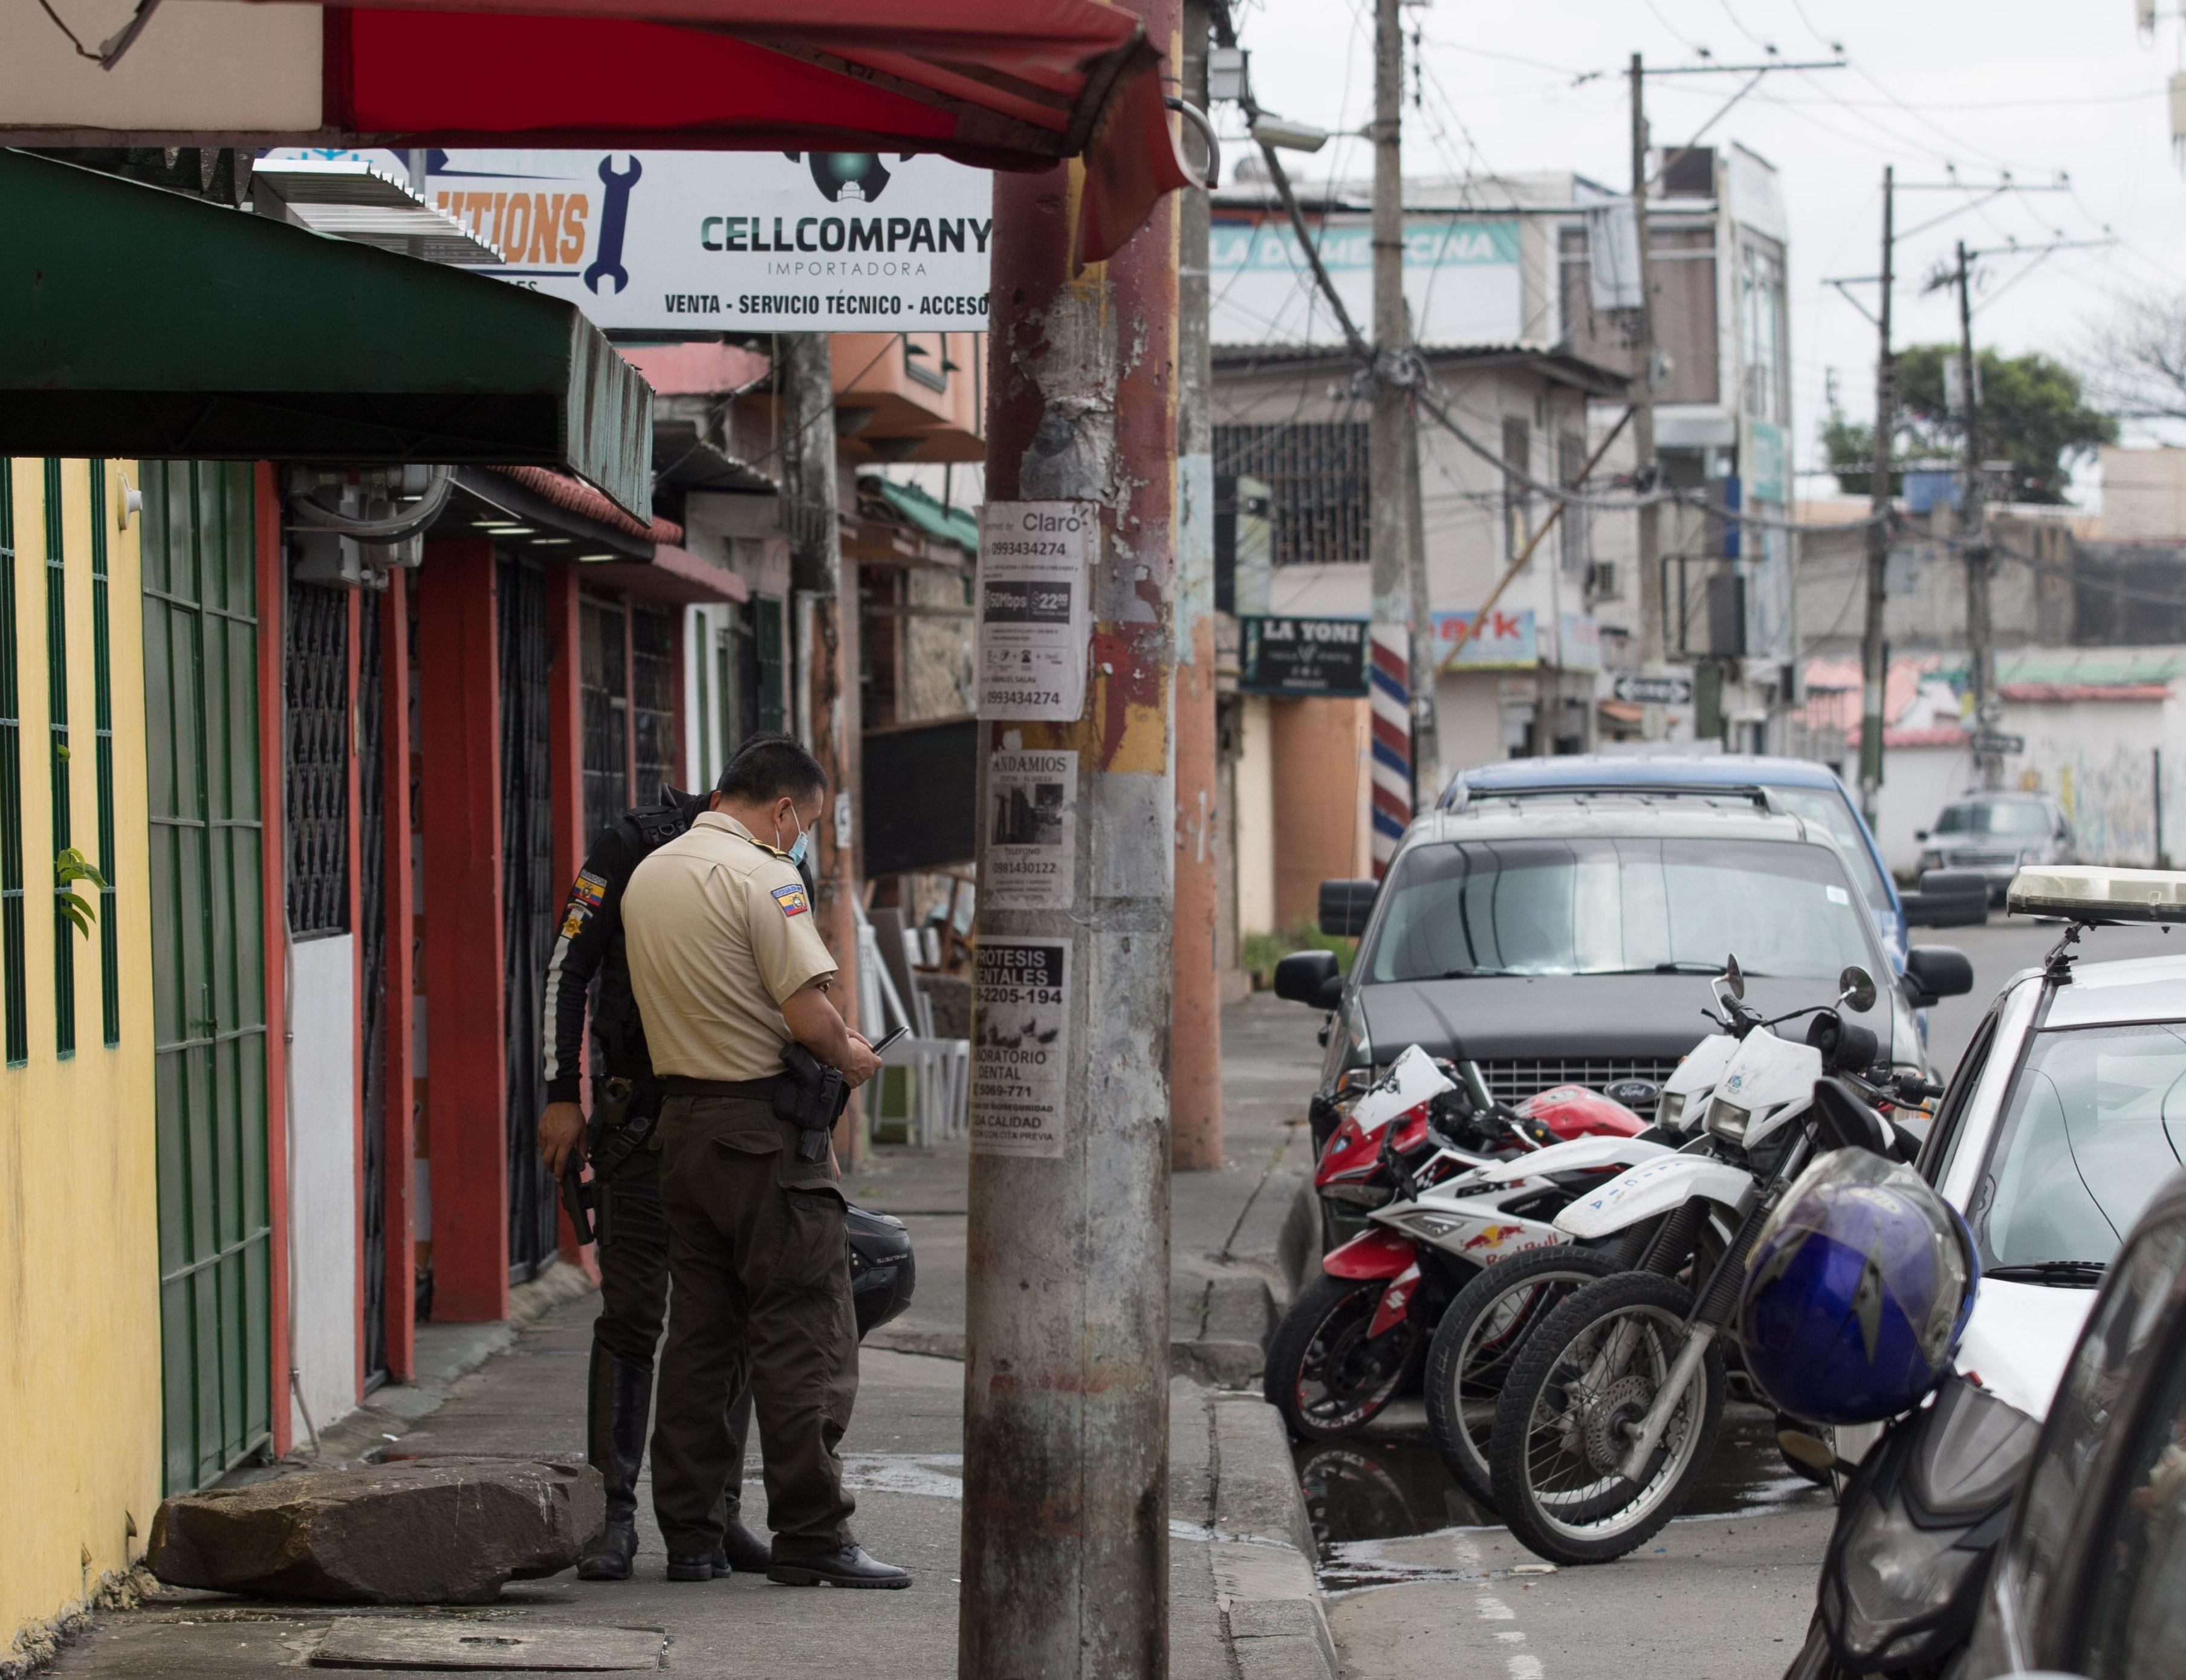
710, 241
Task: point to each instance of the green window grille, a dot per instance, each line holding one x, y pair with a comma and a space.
57, 730
101, 679
766, 615
11, 790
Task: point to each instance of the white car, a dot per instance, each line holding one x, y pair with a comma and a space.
2066, 1113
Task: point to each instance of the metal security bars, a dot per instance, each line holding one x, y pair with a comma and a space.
604, 697
11, 789
529, 898
58, 732
315, 679
101, 680
1316, 471
655, 671
372, 965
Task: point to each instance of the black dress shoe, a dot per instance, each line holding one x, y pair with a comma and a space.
742, 1550
849, 1566
706, 1567
609, 1557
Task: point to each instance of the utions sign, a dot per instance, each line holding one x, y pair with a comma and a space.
698, 242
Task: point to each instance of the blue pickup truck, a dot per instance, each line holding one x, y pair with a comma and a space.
1800, 786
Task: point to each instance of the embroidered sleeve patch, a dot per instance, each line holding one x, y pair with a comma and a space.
588, 891
792, 900
574, 923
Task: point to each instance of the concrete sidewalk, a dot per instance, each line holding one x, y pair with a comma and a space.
1244, 1602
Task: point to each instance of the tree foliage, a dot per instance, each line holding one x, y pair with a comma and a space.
2032, 415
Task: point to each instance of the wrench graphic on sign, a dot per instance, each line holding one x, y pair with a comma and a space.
608, 264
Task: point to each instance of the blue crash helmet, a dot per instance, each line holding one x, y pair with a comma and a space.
1857, 1291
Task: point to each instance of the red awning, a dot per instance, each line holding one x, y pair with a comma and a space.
1001, 84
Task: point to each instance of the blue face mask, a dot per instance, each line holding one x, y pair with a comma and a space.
801, 844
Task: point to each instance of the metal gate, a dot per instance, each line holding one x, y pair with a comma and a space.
528, 899
371, 1000
603, 691
201, 627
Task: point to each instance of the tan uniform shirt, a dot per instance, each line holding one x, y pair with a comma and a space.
719, 930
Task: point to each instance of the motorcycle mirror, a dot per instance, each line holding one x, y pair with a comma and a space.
1734, 978
1856, 990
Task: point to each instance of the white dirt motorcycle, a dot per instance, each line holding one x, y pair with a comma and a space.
1610, 1408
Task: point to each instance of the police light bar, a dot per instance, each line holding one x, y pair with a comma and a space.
2081, 892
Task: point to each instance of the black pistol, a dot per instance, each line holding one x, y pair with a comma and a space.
812, 1099
579, 1198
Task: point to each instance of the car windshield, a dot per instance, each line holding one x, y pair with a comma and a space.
1827, 808
2095, 1122
1602, 905
1993, 816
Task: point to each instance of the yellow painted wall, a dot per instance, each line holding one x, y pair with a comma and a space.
78, 1260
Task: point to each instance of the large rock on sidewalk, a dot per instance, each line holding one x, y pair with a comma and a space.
433, 1531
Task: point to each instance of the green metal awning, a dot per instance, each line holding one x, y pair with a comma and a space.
136, 321
923, 513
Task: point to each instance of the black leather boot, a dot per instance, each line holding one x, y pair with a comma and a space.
850, 1565
618, 1398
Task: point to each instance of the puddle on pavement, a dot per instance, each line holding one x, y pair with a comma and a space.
1386, 1486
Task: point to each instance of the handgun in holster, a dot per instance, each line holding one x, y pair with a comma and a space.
624, 1111
812, 1099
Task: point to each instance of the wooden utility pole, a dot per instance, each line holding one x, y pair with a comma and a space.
1389, 433
1651, 630
1875, 677
1065, 1559
829, 664
1980, 629
1195, 1010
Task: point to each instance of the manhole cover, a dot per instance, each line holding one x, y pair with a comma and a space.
376, 1642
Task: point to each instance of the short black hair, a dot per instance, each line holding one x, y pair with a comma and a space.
767, 766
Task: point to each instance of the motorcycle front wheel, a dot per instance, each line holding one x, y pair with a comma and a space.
1478, 1341
1325, 1374
1581, 1385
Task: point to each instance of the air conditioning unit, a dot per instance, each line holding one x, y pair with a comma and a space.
1601, 580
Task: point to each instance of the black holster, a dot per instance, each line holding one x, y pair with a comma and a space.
624, 1111
812, 1099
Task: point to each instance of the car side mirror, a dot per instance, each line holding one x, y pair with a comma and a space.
1309, 977
1919, 834
1938, 971
1346, 905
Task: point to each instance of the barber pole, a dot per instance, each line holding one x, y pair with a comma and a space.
1390, 699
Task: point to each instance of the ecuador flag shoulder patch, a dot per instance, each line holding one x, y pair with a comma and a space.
792, 900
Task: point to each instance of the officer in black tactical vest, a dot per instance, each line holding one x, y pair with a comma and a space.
632, 1234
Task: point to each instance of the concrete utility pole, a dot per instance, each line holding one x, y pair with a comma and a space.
1196, 1012
1874, 674
829, 670
1065, 1561
1980, 629
1652, 634
1389, 433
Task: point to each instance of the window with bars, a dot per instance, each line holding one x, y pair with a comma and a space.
102, 700
12, 910
603, 693
1574, 532
654, 672
766, 663
57, 731
316, 700
1517, 499
1316, 471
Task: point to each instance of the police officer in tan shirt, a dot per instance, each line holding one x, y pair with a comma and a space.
728, 968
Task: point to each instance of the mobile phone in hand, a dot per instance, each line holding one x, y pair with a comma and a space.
882, 1046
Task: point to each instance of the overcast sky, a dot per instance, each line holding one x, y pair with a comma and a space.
2031, 87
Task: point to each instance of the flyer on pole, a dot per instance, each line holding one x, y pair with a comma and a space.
1031, 824
1035, 561
1021, 1047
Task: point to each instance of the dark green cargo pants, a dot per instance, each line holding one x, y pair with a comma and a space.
761, 1292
